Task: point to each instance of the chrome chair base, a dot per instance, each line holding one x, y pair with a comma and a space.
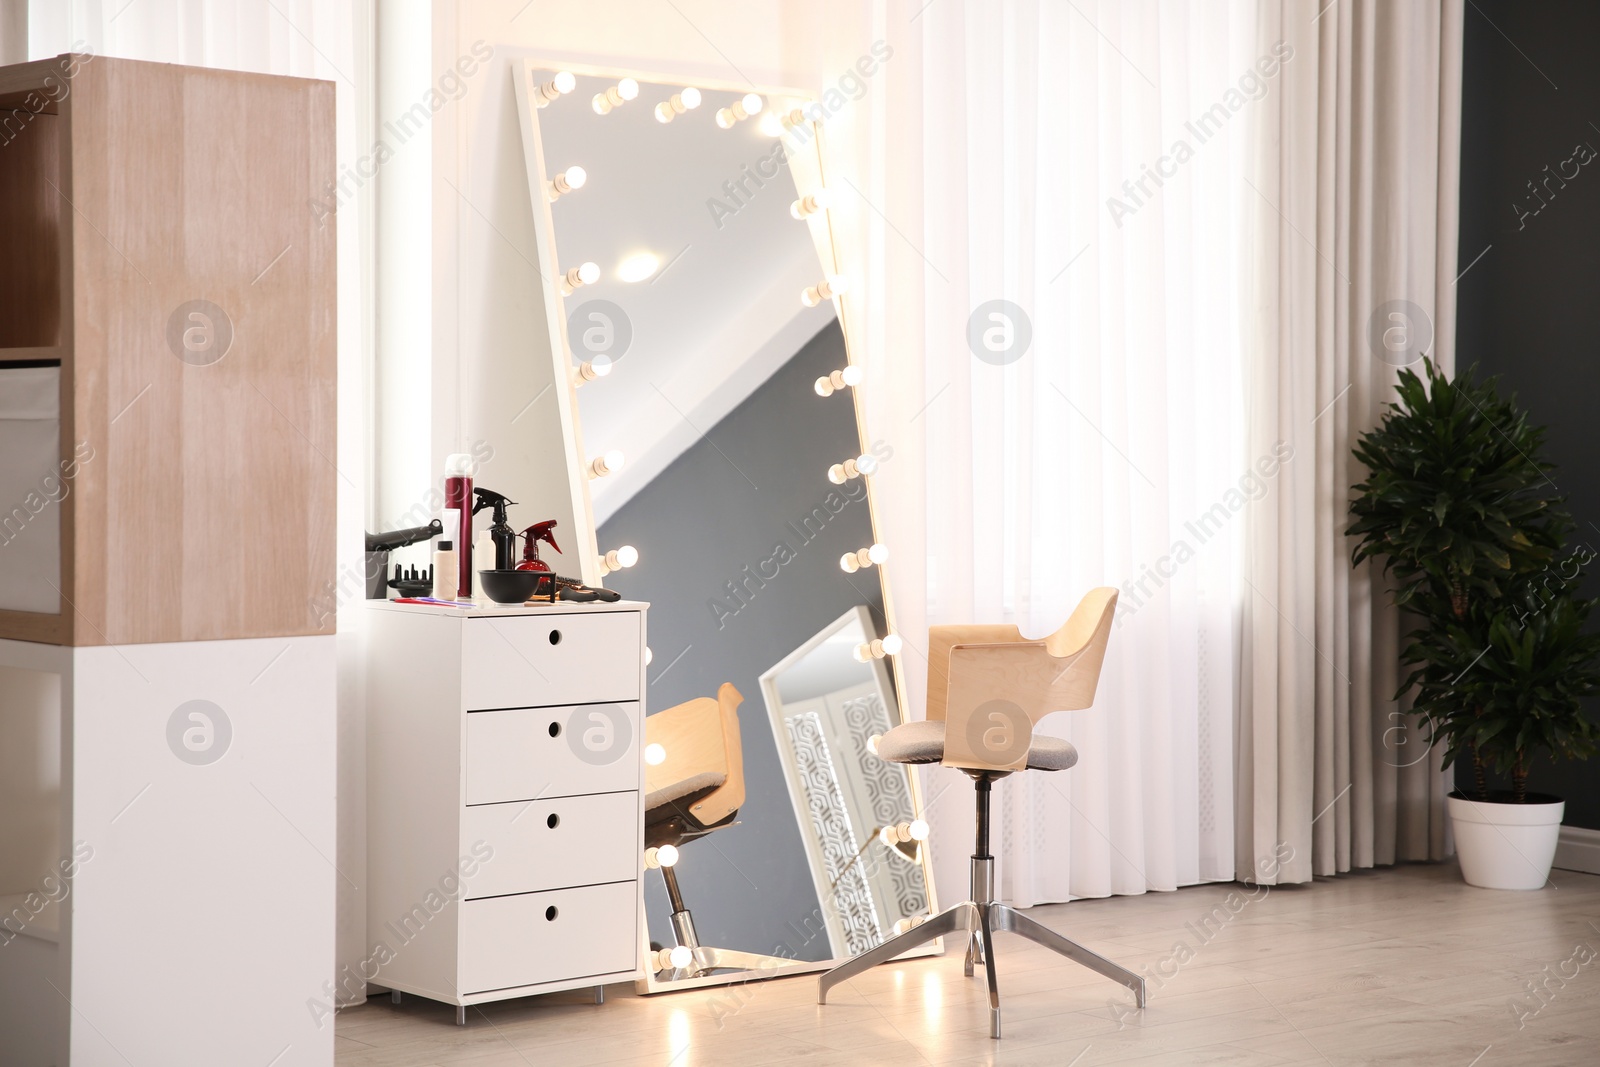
981, 921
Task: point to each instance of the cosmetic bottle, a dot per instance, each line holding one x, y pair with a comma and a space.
458, 471
531, 537
445, 572
482, 549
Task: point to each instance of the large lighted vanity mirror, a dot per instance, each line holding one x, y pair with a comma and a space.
690, 287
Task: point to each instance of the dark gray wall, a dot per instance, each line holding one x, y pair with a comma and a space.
1529, 310
706, 529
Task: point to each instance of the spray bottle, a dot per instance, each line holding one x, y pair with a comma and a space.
504, 537
530, 552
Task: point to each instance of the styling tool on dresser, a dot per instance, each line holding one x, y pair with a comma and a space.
531, 537
458, 512
574, 591
504, 537
413, 582
379, 546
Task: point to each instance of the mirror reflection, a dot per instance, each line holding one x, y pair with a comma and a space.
698, 321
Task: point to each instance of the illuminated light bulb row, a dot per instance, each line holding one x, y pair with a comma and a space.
854, 467
568, 180
554, 89
889, 645
810, 204
676, 958
579, 276
851, 562
619, 559
846, 376
915, 830
591, 370
665, 856
654, 754
615, 97
687, 100
739, 110
831, 286
609, 463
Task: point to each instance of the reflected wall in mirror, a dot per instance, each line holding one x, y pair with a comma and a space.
829, 703
683, 268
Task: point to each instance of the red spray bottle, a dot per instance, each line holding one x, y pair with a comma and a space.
540, 531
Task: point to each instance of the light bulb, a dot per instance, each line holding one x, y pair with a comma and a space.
667, 855
726, 118
654, 754
919, 830
589, 370
872, 743
810, 205
568, 180
771, 125
627, 88
824, 387
555, 88
866, 464
892, 644
627, 555
832, 286
636, 268
852, 375
680, 957
583, 274
848, 563
888, 836
687, 100
648, 656
609, 463
616, 96
878, 554
752, 103
863, 653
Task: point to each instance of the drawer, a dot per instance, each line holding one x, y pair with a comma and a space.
549, 844
538, 753
548, 937
524, 661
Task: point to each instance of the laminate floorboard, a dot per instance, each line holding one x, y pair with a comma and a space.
1407, 965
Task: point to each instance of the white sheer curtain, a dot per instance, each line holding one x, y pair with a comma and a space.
1355, 168
1006, 152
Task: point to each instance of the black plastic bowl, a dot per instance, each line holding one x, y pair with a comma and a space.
511, 587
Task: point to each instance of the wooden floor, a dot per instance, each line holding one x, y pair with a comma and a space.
1402, 966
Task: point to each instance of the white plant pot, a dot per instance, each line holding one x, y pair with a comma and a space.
1506, 846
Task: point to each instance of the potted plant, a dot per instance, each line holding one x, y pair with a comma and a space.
1458, 509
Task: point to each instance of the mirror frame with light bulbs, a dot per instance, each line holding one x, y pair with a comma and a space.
883, 677
595, 565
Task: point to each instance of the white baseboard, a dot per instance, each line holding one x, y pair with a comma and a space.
1578, 850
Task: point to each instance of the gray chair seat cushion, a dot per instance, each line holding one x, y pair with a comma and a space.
923, 742
695, 783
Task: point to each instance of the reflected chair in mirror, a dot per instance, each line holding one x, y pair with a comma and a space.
987, 687
694, 790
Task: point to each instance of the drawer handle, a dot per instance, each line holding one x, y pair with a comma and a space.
550, 913
555, 729
555, 637
553, 821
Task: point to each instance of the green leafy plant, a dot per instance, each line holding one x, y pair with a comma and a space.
1458, 510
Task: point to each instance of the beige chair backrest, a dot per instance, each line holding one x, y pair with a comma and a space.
991, 686
698, 736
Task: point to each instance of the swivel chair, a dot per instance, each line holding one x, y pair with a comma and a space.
987, 687
696, 789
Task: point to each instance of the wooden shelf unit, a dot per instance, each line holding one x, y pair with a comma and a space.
129, 190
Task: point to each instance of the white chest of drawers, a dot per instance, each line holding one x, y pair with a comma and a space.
504, 798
